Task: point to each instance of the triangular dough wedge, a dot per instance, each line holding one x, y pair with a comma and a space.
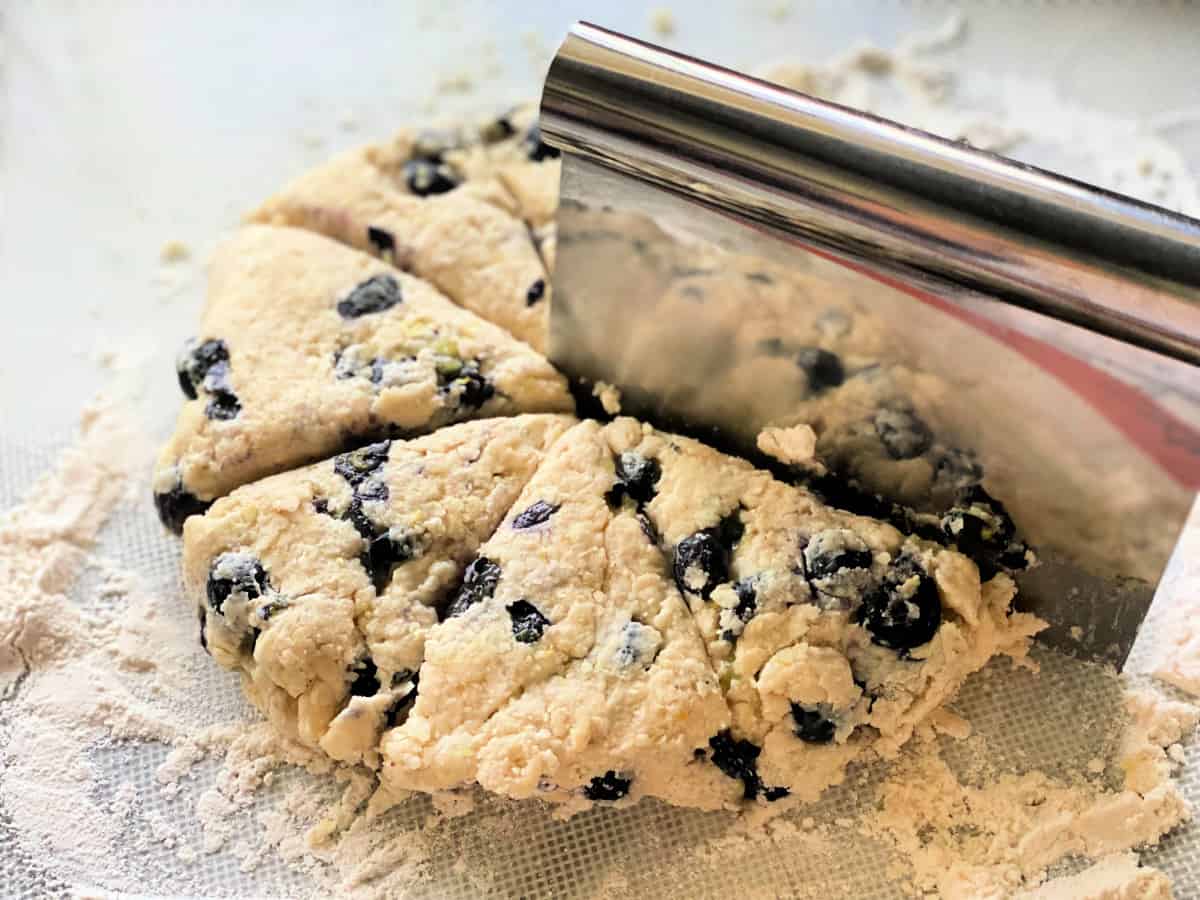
568, 668
439, 205
833, 635
319, 584
306, 347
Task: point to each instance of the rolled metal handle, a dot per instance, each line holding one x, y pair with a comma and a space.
863, 187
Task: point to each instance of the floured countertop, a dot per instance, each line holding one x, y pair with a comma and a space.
171, 784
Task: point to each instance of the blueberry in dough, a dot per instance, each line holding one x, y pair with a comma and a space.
425, 177
811, 726
747, 599
701, 563
527, 622
824, 369
195, 361
223, 406
479, 583
538, 513
637, 477
702, 559
377, 293
607, 787
359, 464
366, 679
235, 574
737, 758
398, 712
536, 292
203, 631
472, 387
902, 432
381, 239
176, 505
384, 552
535, 149
980, 527
904, 611
771, 794
834, 550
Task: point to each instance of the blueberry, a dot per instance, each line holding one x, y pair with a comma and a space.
702, 559
904, 611
608, 787
382, 240
536, 292
377, 293
479, 583
425, 177
980, 527
473, 388
637, 477
203, 631
737, 758
357, 465
775, 793
902, 432
384, 552
539, 512
527, 622
535, 149
398, 711
223, 406
834, 550
176, 505
811, 726
366, 679
747, 599
321, 506
232, 574
747, 605
701, 563
194, 362
824, 369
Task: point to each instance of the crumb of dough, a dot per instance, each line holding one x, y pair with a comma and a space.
662, 20
795, 446
1115, 877
609, 396
1076, 633
174, 251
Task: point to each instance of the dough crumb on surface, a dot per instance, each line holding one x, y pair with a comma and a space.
174, 251
662, 20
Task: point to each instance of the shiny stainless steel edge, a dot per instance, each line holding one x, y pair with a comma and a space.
1076, 309
861, 185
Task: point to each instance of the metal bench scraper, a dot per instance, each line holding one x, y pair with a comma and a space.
985, 352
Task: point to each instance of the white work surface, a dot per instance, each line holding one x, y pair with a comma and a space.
128, 124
